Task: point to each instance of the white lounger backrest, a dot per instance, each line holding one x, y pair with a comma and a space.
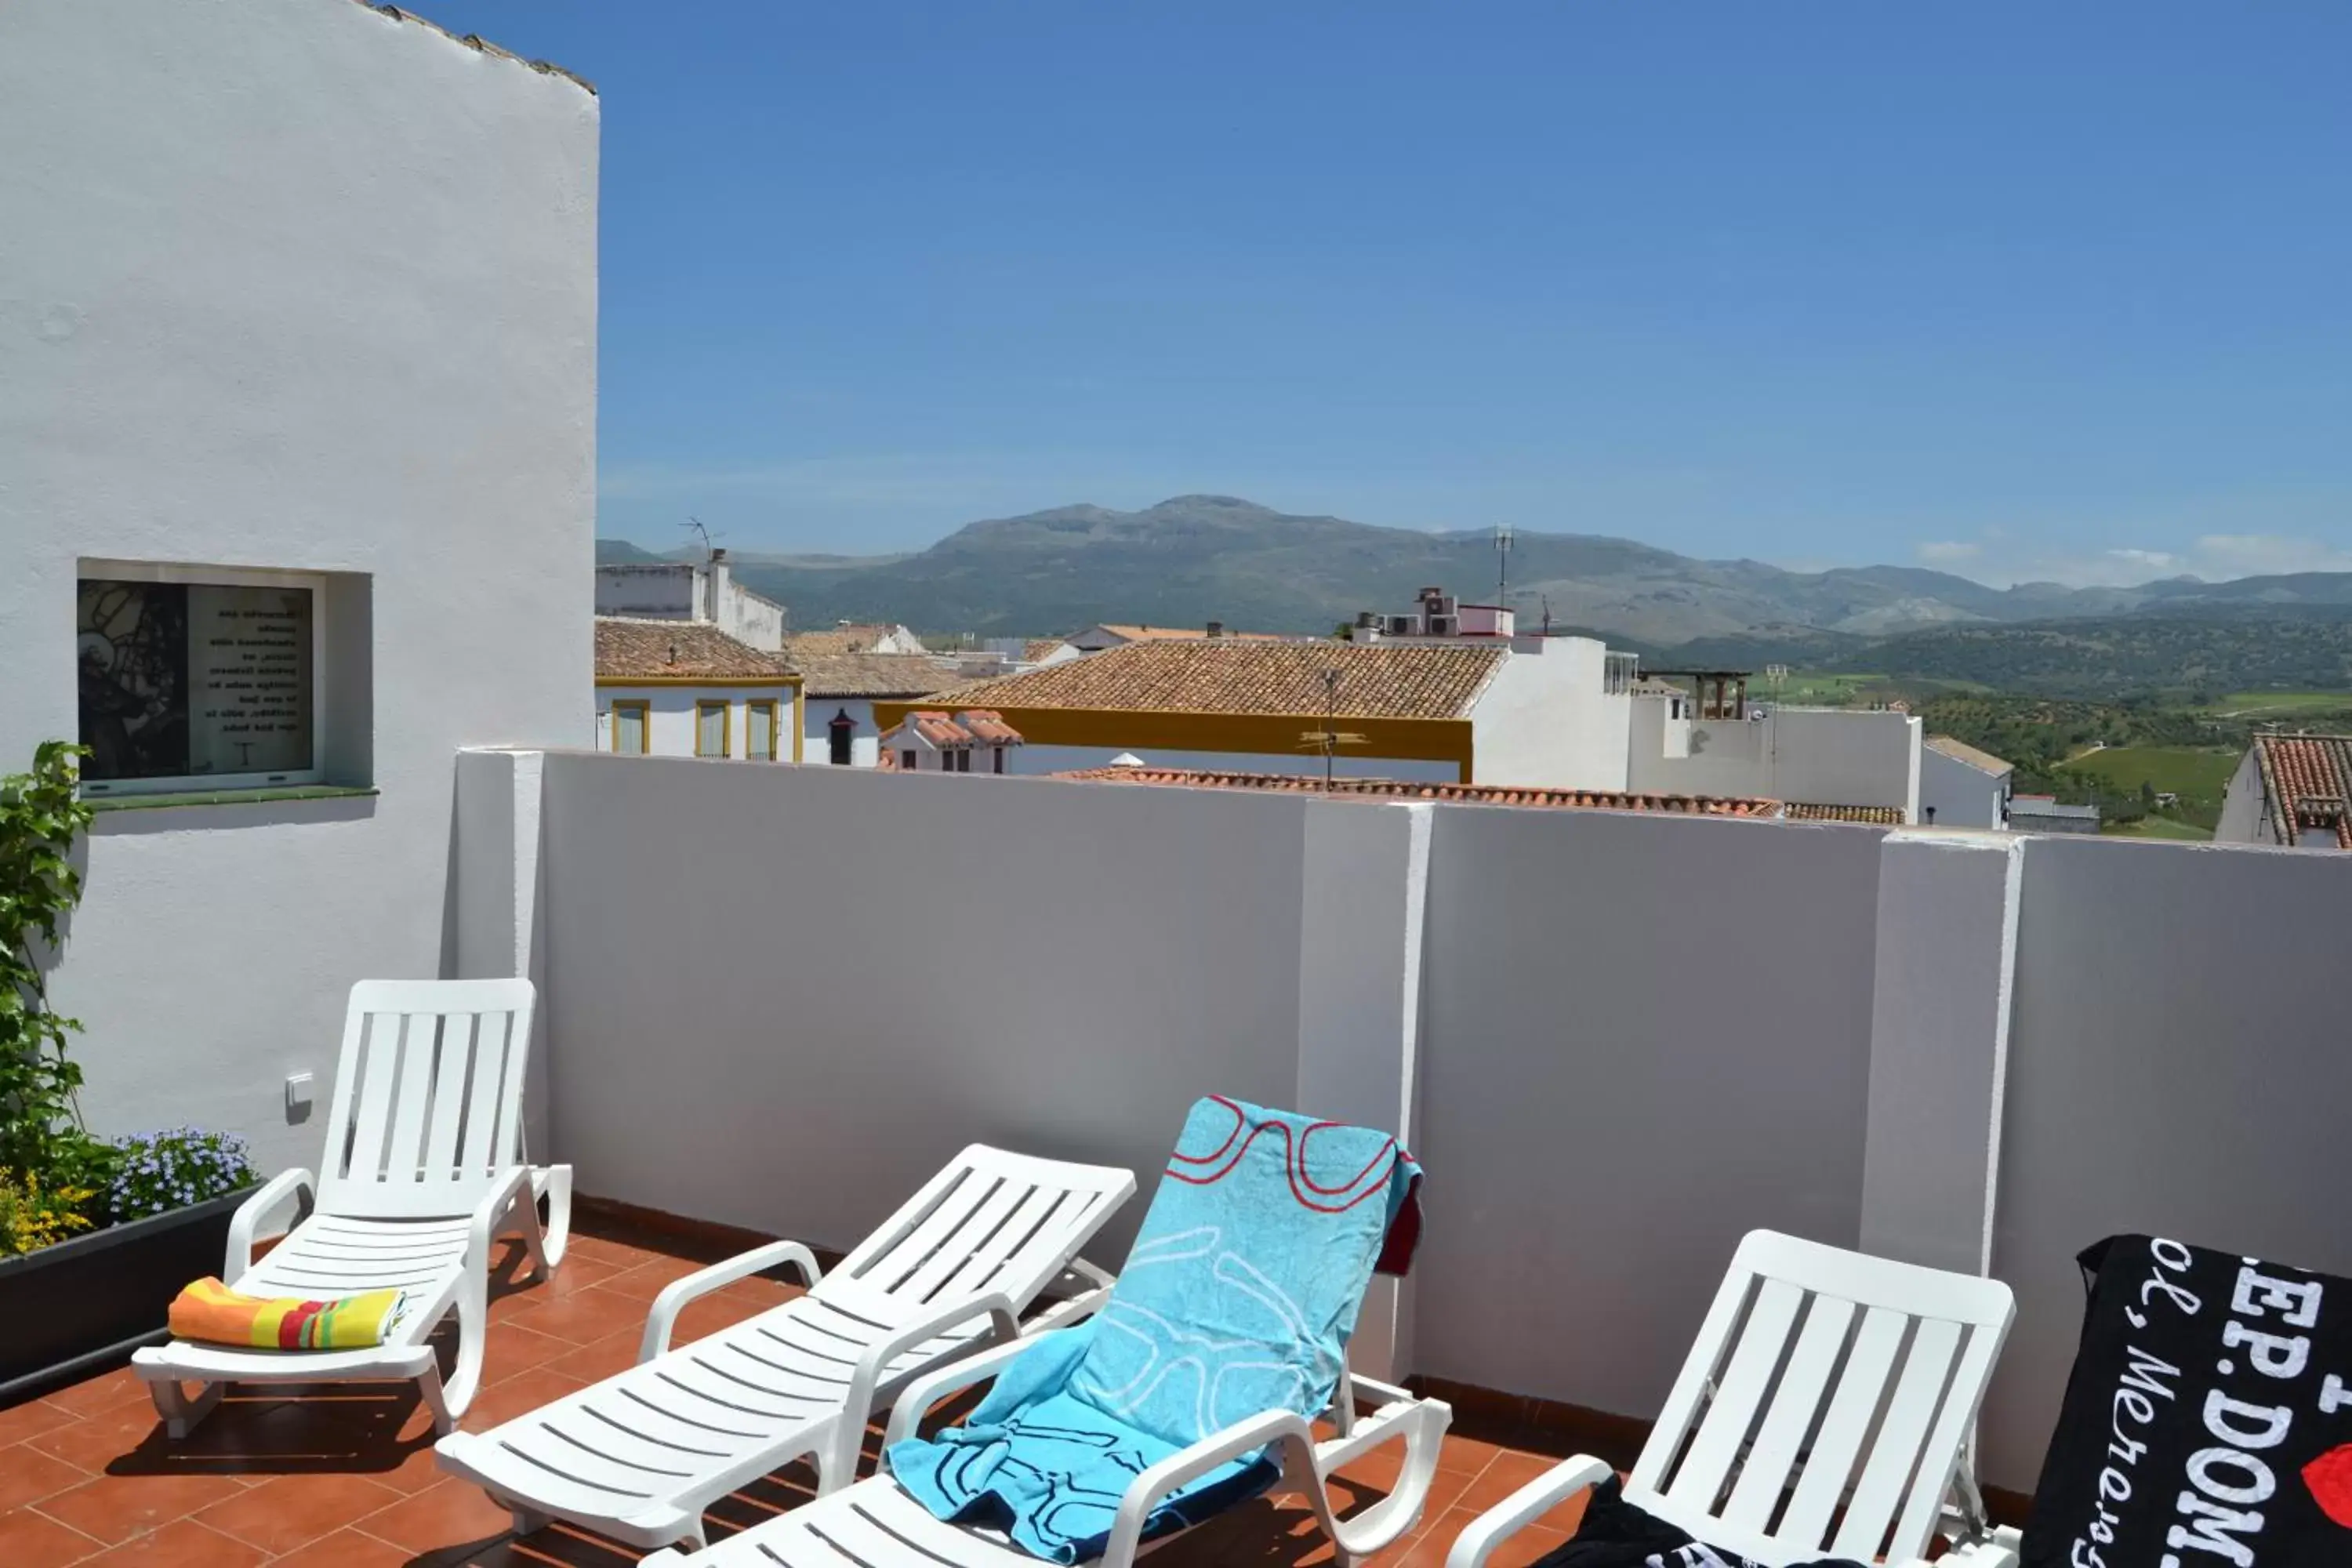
990, 1221
1822, 1380
427, 1111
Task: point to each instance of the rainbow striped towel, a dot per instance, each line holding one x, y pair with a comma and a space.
210, 1312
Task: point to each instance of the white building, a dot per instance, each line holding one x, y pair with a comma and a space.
838, 694
298, 401
691, 591
685, 688
1535, 712
1710, 740
970, 741
2294, 791
854, 637
1960, 786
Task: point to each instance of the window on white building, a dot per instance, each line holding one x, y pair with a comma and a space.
907, 759
760, 731
709, 729
1617, 673
629, 725
198, 676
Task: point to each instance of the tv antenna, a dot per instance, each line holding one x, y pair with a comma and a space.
1329, 739
1504, 539
1547, 609
696, 524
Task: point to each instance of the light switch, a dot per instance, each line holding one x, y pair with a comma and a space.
297, 1096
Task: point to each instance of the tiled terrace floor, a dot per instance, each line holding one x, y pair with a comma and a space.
343, 1477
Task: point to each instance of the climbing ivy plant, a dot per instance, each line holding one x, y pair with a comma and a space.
40, 816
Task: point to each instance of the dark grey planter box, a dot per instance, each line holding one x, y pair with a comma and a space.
86, 1303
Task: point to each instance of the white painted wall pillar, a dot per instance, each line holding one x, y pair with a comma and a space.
1939, 1031
496, 867
1366, 876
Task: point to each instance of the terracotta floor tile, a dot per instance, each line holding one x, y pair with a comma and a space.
32, 1540
710, 1313
182, 1544
116, 1508
98, 1440
288, 1511
107, 1391
449, 1515
345, 1549
512, 1347
1467, 1455
588, 1315
644, 1282
30, 1419
524, 1392
612, 1254
598, 1359
27, 1474
1507, 1474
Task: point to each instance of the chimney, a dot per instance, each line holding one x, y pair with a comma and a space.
716, 575
1216, 628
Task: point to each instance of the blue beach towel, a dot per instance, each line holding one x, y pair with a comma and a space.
1238, 1298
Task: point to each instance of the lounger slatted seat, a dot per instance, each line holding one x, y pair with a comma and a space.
424, 1171
640, 1457
1825, 1411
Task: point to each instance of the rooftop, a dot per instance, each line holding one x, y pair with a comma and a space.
1961, 752
2308, 779
1394, 680
867, 674
1407, 789
852, 639
631, 649
1182, 633
1817, 811
344, 1478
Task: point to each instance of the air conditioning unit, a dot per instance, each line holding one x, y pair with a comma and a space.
1444, 625
1404, 625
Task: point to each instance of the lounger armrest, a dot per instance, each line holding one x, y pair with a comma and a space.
1238, 1441
1523, 1507
254, 1211
663, 1316
914, 1401
482, 1228
1999, 1550
840, 1466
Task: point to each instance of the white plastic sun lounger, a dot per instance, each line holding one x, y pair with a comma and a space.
1916, 1347
424, 1171
877, 1525
640, 1456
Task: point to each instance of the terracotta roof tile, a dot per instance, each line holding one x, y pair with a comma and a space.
1410, 789
1036, 648
1961, 752
841, 639
984, 725
1377, 680
1184, 633
2308, 779
627, 648
1875, 815
871, 674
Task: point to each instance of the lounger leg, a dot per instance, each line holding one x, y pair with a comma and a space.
526, 1521
1385, 1520
181, 1413
558, 1231
428, 1389
473, 1311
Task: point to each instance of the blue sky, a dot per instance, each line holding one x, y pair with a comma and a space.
2017, 290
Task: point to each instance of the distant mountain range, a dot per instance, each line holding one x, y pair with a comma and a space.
1200, 558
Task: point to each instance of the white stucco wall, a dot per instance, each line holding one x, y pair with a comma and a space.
287, 284
1303, 764
1623, 1073
818, 1092
1545, 721
1960, 795
670, 716
1828, 756
2177, 1067
2246, 818
816, 740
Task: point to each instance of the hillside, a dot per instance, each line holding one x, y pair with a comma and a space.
1199, 558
